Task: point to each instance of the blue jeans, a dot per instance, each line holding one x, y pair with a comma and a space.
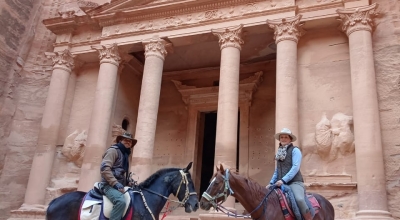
117, 198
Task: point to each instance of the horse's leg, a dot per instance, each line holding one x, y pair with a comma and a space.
327, 212
65, 207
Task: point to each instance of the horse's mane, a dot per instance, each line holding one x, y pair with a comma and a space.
146, 183
255, 189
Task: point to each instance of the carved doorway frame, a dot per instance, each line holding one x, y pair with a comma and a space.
199, 100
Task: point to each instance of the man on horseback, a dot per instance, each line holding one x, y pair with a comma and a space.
114, 173
288, 172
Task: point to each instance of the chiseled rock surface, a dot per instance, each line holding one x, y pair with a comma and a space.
387, 64
23, 91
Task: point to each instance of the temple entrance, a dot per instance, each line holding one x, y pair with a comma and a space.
207, 135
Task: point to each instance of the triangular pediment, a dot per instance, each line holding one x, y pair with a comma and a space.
126, 5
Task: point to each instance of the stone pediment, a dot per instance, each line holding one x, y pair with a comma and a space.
117, 6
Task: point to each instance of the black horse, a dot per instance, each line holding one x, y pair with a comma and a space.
156, 190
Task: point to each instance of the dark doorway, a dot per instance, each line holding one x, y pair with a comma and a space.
208, 151
208, 148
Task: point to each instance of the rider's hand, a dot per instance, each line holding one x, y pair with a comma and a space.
268, 186
119, 187
279, 183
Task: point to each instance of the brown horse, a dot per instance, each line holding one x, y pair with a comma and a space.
260, 202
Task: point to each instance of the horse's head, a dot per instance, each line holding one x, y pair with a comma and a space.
218, 190
184, 190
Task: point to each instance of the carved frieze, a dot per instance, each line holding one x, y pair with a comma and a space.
177, 19
229, 37
358, 19
108, 54
287, 29
156, 47
61, 60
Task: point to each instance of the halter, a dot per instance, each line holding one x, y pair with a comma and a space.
184, 180
227, 191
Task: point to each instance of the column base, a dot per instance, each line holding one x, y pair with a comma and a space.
29, 212
373, 215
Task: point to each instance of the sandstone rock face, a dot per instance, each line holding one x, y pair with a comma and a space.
24, 75
387, 63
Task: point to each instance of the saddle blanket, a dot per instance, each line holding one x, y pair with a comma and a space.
95, 206
289, 206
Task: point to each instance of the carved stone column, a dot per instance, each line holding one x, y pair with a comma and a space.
287, 33
358, 24
230, 42
42, 164
100, 122
155, 53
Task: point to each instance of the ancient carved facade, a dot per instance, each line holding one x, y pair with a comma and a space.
160, 71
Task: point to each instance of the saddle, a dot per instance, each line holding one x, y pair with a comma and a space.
95, 205
289, 206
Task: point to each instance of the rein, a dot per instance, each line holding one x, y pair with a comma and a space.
184, 180
228, 191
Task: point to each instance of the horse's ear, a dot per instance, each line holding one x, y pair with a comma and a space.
221, 168
217, 168
188, 167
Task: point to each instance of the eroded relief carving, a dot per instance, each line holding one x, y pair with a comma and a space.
307, 3
69, 10
116, 130
332, 138
74, 147
287, 29
358, 19
229, 37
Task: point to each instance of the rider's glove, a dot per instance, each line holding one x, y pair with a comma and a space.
118, 186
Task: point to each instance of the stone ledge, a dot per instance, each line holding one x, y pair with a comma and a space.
27, 214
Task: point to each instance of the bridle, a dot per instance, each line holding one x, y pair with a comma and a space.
227, 190
184, 181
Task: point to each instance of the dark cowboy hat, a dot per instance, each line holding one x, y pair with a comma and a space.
128, 136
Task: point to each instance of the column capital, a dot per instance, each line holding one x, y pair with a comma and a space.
229, 37
156, 47
61, 60
287, 28
358, 19
108, 53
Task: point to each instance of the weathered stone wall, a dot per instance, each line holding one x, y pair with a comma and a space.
127, 100
386, 41
25, 78
262, 128
170, 142
325, 110
16, 37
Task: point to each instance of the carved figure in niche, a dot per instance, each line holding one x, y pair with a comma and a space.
74, 147
332, 138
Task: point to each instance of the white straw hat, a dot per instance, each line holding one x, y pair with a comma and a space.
285, 131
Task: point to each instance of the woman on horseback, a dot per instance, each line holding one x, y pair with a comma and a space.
287, 170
